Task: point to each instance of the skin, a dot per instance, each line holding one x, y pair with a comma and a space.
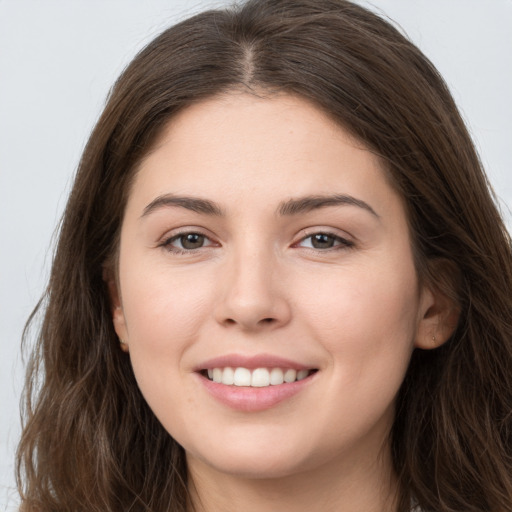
354, 311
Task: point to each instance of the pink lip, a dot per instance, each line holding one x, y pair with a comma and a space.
249, 399
251, 362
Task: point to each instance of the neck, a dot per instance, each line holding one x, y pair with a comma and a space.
334, 487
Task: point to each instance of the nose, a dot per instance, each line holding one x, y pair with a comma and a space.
251, 295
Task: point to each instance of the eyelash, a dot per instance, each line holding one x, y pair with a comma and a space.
341, 243
167, 244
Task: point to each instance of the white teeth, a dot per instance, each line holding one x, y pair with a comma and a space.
242, 377
276, 376
290, 375
217, 375
258, 378
228, 376
302, 374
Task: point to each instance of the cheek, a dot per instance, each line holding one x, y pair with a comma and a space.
165, 312
365, 322
161, 306
365, 316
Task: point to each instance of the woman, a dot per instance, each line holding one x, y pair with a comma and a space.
281, 283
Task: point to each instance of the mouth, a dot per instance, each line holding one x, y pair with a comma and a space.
254, 383
257, 377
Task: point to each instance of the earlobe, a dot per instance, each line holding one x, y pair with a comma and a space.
124, 345
118, 318
439, 318
120, 327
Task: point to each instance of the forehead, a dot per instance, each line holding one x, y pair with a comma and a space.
239, 146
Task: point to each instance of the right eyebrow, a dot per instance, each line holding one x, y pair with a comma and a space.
194, 204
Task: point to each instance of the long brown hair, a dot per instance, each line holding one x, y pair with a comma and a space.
90, 441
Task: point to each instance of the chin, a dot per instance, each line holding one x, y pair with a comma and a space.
257, 469
253, 461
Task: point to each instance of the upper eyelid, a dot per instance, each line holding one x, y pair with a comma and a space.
173, 239
179, 235
177, 232
335, 232
167, 242
303, 234
344, 240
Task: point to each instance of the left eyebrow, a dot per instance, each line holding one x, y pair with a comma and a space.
308, 203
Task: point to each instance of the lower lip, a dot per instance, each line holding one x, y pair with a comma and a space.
249, 399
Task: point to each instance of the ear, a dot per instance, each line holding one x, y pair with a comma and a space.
439, 315
116, 308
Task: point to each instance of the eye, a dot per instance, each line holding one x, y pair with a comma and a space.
185, 242
324, 241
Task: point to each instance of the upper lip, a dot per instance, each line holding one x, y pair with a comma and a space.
251, 362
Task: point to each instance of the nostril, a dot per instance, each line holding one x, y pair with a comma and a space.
230, 321
249, 323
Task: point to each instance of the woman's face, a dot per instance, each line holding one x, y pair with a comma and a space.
263, 247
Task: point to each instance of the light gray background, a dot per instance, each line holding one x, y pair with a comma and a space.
58, 59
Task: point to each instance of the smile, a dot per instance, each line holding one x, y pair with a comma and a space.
256, 378
254, 383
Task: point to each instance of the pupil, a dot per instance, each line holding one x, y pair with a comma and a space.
192, 241
322, 241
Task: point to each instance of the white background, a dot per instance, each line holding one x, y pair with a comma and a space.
58, 59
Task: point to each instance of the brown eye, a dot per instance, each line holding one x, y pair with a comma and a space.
187, 242
192, 241
324, 241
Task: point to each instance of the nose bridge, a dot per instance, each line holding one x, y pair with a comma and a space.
252, 296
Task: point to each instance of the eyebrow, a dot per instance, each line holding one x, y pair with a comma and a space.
194, 204
308, 203
286, 208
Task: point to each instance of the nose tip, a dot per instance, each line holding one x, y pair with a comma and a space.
252, 299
